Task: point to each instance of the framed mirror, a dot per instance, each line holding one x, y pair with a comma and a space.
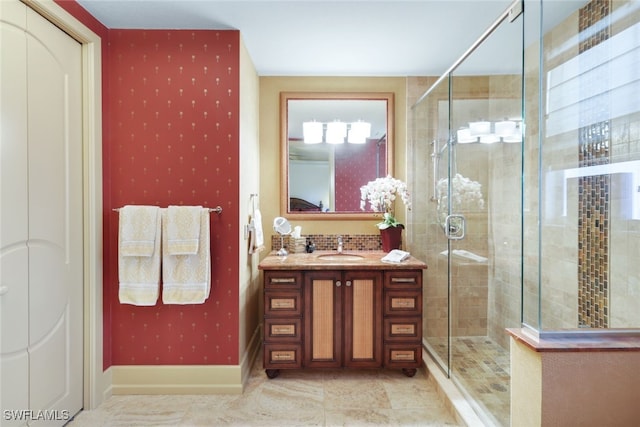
331, 145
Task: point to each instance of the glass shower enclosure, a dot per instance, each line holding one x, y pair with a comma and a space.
526, 164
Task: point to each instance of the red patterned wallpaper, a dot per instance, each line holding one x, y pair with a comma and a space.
355, 166
170, 136
173, 139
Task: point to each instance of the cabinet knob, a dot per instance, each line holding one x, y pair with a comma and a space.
348, 282
338, 283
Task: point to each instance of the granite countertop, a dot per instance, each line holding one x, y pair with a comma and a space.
331, 260
579, 340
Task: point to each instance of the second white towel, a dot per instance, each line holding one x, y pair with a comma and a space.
139, 268
186, 279
183, 229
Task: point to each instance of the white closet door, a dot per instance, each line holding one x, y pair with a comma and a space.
51, 156
14, 227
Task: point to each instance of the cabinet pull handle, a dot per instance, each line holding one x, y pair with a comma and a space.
403, 280
283, 280
348, 282
282, 356
338, 283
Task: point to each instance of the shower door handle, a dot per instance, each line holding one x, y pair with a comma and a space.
454, 226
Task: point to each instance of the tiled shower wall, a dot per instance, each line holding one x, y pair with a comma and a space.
594, 191
624, 230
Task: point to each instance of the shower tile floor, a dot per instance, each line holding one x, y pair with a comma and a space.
372, 397
482, 368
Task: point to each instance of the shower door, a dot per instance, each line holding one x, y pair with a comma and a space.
472, 121
484, 218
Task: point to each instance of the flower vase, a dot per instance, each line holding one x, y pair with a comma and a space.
391, 238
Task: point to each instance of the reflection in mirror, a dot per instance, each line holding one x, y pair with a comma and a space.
333, 144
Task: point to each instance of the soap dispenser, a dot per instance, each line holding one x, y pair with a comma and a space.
310, 247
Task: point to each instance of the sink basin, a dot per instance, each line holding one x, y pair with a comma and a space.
340, 257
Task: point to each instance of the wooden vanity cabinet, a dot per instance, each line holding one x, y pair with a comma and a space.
343, 319
350, 317
283, 303
403, 320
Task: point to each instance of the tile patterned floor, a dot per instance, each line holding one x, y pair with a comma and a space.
376, 397
482, 368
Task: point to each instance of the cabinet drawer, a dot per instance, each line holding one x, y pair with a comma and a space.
282, 330
282, 280
282, 356
403, 329
403, 355
411, 279
404, 303
282, 303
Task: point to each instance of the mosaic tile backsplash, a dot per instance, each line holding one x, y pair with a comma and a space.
328, 242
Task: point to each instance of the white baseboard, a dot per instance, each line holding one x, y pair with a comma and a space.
107, 381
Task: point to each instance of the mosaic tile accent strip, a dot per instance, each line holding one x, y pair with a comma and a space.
328, 242
593, 200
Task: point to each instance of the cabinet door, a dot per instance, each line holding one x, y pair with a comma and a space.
323, 319
363, 319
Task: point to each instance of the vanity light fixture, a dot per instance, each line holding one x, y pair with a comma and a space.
359, 132
312, 132
489, 138
464, 136
335, 132
479, 128
508, 131
505, 128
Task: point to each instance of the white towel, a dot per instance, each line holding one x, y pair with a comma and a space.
138, 269
186, 279
183, 229
137, 235
256, 243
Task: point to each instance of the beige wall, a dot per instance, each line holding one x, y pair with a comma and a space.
250, 296
270, 88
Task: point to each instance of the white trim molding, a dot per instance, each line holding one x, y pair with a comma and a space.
94, 385
176, 379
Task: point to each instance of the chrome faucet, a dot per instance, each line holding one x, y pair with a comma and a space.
339, 244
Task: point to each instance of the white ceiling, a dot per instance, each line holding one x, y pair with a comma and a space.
337, 37
323, 38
